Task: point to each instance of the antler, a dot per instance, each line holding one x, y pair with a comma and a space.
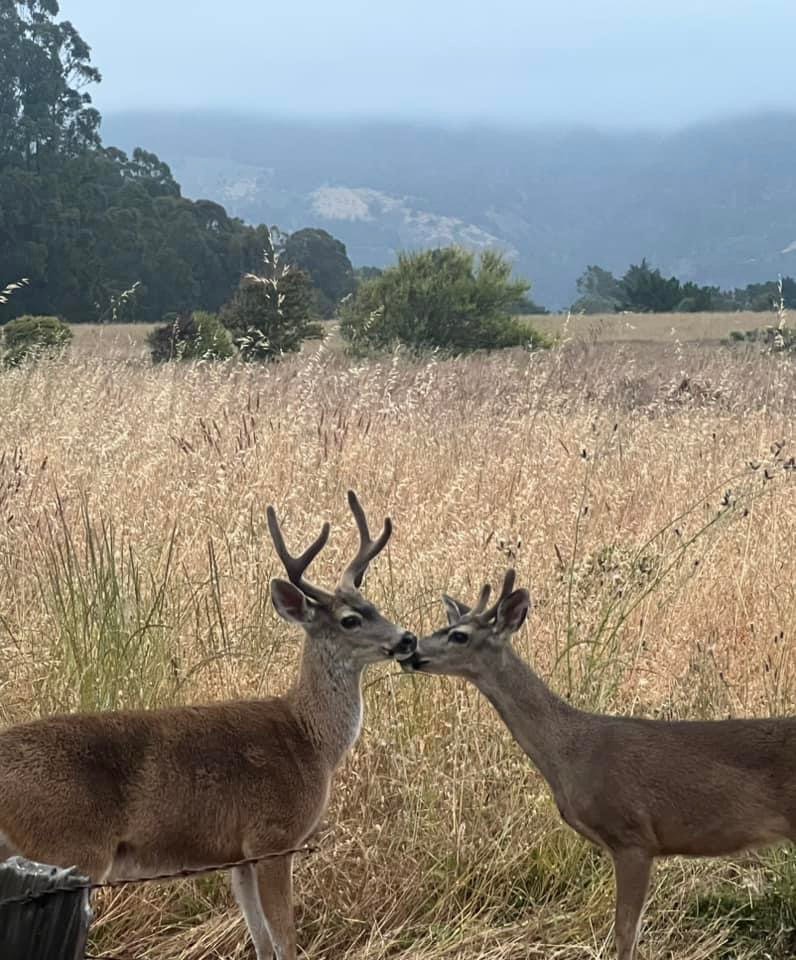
295, 566
483, 597
368, 548
508, 586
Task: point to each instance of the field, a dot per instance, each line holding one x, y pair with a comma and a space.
128, 341
645, 493
649, 327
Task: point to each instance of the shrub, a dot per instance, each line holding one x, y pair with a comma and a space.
439, 299
190, 336
30, 337
272, 314
772, 339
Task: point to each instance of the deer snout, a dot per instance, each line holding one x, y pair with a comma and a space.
413, 662
405, 647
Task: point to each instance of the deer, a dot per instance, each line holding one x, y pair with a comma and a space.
638, 788
128, 793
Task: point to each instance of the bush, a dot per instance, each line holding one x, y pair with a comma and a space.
439, 299
190, 336
271, 315
31, 337
772, 339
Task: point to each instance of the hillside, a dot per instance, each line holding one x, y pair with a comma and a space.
712, 203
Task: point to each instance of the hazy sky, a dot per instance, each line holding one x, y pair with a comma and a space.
625, 62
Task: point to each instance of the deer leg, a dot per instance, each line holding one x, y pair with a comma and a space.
275, 884
247, 896
632, 869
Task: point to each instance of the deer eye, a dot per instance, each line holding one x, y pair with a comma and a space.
458, 636
350, 622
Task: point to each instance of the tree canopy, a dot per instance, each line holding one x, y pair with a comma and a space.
325, 261
44, 109
440, 299
91, 227
644, 289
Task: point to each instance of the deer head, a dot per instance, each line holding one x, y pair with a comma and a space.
474, 635
357, 630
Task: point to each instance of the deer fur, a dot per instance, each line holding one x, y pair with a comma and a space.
638, 788
129, 793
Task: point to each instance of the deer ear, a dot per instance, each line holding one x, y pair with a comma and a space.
512, 611
455, 610
290, 602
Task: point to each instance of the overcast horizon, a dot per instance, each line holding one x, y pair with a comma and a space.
616, 67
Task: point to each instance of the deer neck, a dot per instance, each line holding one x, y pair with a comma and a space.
541, 722
327, 698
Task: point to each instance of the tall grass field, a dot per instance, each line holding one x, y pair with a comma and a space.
646, 495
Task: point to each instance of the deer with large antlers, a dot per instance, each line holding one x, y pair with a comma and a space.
638, 788
129, 793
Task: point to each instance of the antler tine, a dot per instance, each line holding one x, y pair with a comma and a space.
368, 548
508, 586
483, 598
295, 566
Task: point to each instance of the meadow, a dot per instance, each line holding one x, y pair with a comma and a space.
128, 341
644, 492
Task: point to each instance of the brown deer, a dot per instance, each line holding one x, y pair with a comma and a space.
638, 788
129, 793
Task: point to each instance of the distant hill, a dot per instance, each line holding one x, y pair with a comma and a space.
714, 203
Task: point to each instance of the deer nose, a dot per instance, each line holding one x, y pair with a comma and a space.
407, 644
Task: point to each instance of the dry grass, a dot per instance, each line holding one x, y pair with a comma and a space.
110, 341
667, 328
134, 565
127, 341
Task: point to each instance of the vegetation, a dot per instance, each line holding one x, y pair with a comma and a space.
29, 338
271, 313
439, 299
135, 572
525, 306
775, 339
85, 223
644, 289
191, 336
326, 262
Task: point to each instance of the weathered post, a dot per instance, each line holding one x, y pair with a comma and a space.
39, 925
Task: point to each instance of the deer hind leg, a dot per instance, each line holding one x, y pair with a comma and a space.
632, 869
247, 896
275, 885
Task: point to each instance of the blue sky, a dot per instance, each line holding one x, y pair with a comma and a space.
628, 63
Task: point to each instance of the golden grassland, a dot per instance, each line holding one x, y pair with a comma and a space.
645, 497
650, 327
128, 341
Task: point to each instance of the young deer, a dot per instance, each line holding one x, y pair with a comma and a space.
134, 792
639, 788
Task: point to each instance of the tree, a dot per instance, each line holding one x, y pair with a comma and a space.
85, 223
439, 298
600, 292
696, 299
645, 290
44, 110
270, 313
325, 260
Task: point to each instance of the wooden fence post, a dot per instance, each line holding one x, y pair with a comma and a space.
50, 927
